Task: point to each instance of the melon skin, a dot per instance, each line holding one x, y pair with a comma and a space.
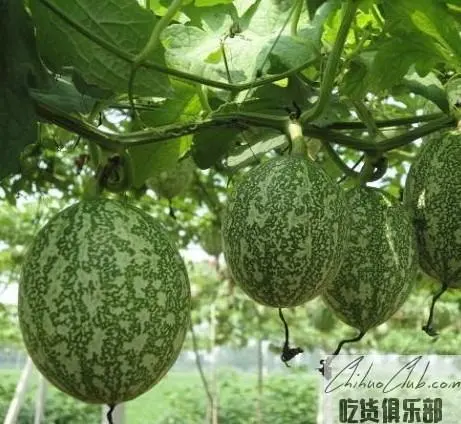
284, 231
433, 195
104, 301
173, 182
211, 239
380, 263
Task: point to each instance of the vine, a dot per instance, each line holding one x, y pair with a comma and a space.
240, 120
151, 45
332, 64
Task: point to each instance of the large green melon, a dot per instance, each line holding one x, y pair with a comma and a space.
104, 301
433, 194
380, 262
284, 231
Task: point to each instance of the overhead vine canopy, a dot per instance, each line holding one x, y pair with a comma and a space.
153, 81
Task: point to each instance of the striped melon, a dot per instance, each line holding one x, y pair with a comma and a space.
104, 301
284, 231
173, 182
433, 194
380, 262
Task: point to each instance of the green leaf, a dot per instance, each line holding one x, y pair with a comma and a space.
123, 23
354, 84
208, 148
314, 29
247, 155
160, 8
292, 51
432, 19
453, 90
428, 87
429, 36
205, 46
208, 3
394, 60
150, 160
64, 96
243, 5
313, 5
20, 67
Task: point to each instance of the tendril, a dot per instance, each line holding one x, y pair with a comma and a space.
428, 327
288, 353
109, 414
325, 368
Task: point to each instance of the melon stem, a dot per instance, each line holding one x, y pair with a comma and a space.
325, 363
428, 328
352, 340
294, 132
109, 414
288, 353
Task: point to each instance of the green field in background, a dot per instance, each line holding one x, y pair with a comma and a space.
153, 405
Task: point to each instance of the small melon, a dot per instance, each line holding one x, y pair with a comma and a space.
210, 239
171, 183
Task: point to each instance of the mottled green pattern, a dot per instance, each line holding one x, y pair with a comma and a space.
380, 262
104, 301
284, 231
433, 194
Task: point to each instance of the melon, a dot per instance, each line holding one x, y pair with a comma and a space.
104, 301
284, 231
433, 195
210, 239
171, 183
380, 262
322, 319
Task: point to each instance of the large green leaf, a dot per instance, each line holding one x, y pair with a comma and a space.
209, 148
434, 20
428, 87
204, 47
313, 5
150, 160
393, 61
64, 96
20, 68
123, 23
430, 36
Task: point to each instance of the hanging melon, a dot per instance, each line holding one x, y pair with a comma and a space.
284, 230
104, 301
380, 262
433, 195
